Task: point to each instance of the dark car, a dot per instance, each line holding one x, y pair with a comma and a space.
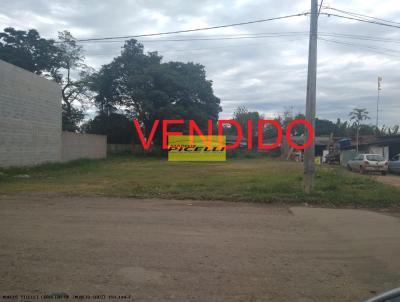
394, 164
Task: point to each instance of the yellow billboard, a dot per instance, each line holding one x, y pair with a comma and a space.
196, 148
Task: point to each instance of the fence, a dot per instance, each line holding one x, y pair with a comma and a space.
119, 148
125, 148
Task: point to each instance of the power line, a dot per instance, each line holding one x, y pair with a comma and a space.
360, 20
201, 49
240, 37
380, 50
353, 16
360, 37
258, 36
273, 35
360, 15
193, 30
320, 6
371, 48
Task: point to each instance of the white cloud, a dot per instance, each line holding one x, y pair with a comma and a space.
264, 74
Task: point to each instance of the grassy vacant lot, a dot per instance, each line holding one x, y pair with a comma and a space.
260, 180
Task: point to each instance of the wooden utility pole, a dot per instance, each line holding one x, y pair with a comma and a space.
309, 153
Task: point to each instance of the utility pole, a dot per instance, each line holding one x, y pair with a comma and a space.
309, 153
377, 101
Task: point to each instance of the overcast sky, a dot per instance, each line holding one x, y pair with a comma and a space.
264, 74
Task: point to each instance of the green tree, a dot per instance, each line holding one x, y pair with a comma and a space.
26, 49
324, 127
286, 118
70, 121
74, 89
118, 128
57, 61
106, 87
242, 115
358, 115
341, 128
148, 89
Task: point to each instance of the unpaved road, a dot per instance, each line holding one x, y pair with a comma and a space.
393, 180
159, 250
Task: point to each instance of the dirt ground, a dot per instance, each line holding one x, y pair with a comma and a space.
160, 250
393, 180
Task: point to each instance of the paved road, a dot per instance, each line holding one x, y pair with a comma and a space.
159, 250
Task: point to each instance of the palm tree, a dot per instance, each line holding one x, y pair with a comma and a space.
357, 116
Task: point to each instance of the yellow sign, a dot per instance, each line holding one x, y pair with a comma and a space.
196, 148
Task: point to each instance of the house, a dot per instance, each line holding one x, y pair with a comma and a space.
387, 146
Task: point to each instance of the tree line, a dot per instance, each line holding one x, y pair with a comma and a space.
356, 125
135, 84
138, 84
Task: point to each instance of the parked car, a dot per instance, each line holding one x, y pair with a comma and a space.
394, 164
368, 163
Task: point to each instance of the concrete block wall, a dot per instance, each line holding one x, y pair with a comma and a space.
30, 118
125, 148
77, 145
119, 148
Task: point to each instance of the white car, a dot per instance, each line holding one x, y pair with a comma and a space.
368, 163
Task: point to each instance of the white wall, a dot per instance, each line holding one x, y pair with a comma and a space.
30, 118
77, 145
